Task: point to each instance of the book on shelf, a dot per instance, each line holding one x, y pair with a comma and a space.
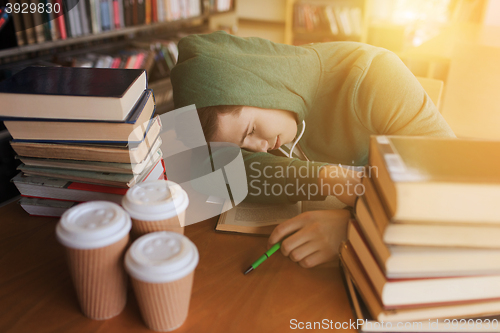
51, 21
261, 219
84, 17
331, 19
118, 153
132, 129
371, 314
19, 28
29, 28
406, 261
38, 23
422, 292
421, 234
437, 180
71, 93
95, 16
60, 20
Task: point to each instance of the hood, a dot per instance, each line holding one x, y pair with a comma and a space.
222, 69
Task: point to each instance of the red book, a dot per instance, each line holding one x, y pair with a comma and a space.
154, 10
60, 21
116, 62
139, 60
116, 12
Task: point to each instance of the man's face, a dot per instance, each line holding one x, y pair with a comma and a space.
257, 129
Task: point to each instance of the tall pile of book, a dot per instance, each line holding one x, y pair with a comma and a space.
424, 248
81, 134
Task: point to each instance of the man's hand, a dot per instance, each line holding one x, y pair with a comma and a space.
314, 237
340, 182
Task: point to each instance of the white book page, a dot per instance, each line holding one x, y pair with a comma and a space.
259, 215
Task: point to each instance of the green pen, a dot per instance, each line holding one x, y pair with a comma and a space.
266, 255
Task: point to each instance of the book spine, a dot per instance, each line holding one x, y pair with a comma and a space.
139, 60
47, 23
161, 10
67, 16
131, 62
88, 16
18, 26
83, 17
135, 12
54, 32
168, 10
116, 14
127, 12
60, 22
77, 17
121, 10
74, 20
154, 11
147, 9
29, 29
141, 12
37, 23
111, 18
95, 10
104, 15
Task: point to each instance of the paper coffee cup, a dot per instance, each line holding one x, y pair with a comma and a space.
161, 265
158, 205
95, 235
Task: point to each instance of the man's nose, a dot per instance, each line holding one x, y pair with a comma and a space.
261, 145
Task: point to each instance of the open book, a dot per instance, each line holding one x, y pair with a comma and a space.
251, 218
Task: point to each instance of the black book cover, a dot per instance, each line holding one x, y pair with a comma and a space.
7, 31
69, 81
127, 12
89, 15
141, 11
29, 28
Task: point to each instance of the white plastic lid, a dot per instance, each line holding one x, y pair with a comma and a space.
155, 200
160, 257
92, 225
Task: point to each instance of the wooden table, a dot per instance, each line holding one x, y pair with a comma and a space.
36, 294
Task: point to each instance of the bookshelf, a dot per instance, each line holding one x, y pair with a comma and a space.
121, 37
208, 9
311, 21
110, 43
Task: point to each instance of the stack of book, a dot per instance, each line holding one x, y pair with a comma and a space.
424, 244
81, 134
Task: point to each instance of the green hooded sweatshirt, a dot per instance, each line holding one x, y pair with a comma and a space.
345, 92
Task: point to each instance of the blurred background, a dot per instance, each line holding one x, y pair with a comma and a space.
452, 46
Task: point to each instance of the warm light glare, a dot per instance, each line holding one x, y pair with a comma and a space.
409, 11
